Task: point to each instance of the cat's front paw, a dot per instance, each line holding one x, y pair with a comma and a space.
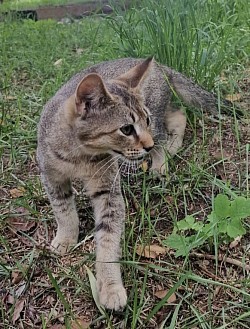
62, 246
112, 296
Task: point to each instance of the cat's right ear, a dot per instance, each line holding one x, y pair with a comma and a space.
90, 92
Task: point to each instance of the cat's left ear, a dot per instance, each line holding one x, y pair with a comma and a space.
135, 76
90, 91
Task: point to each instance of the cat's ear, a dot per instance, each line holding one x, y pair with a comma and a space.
135, 76
91, 90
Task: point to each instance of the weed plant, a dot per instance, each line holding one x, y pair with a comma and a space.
197, 37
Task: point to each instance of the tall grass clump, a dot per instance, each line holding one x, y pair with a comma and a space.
197, 37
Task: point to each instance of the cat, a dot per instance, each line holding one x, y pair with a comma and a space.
114, 111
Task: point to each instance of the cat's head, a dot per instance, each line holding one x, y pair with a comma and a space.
110, 117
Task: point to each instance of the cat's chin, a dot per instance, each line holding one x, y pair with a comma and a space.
132, 161
136, 165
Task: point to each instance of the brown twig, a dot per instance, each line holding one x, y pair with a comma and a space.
222, 258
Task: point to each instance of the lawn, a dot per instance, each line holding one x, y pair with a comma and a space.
208, 285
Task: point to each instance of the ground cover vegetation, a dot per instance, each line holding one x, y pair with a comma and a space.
186, 245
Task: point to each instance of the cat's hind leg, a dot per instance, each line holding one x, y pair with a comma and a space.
62, 202
175, 122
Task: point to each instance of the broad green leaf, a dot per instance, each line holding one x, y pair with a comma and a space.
222, 206
197, 226
178, 243
240, 208
212, 218
190, 220
222, 226
235, 228
189, 223
182, 225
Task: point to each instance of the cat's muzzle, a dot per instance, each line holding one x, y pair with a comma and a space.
137, 165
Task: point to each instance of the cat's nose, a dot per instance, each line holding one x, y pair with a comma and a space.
148, 148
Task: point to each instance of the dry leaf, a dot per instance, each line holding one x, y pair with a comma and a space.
57, 326
18, 309
21, 223
58, 62
20, 289
162, 293
17, 192
144, 165
79, 51
16, 276
151, 251
233, 97
10, 299
22, 211
235, 242
79, 324
10, 98
218, 155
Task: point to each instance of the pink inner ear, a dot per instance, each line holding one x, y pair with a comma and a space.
92, 84
90, 88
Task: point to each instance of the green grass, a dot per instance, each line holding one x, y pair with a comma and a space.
199, 38
210, 293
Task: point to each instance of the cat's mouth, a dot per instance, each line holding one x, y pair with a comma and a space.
132, 166
131, 158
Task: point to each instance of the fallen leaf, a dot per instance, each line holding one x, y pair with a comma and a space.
233, 97
79, 51
223, 77
144, 166
10, 98
235, 242
57, 326
136, 204
21, 223
16, 277
10, 299
162, 293
153, 212
20, 289
17, 192
22, 211
17, 310
58, 62
79, 324
220, 155
151, 251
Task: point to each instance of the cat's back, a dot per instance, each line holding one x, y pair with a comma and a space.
107, 70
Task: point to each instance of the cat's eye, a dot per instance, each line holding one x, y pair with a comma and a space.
148, 121
127, 130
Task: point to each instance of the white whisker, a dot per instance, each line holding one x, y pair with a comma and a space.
111, 161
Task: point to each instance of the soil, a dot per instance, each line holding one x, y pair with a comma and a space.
77, 10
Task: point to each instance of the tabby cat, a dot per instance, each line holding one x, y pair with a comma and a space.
116, 110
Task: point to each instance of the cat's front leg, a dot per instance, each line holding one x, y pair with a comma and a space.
62, 202
109, 209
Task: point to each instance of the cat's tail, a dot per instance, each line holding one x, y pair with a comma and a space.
194, 95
